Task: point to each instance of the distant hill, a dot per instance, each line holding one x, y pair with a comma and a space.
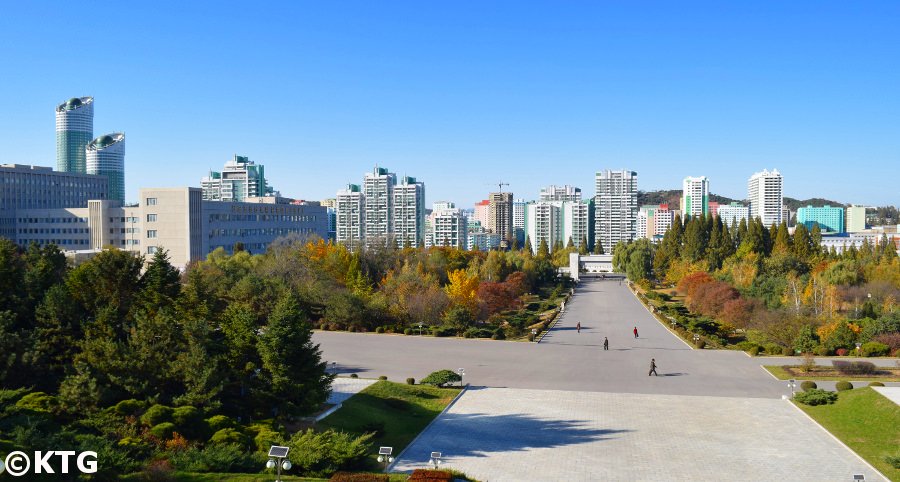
815, 202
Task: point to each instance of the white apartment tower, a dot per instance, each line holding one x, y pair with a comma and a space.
240, 179
556, 221
561, 193
409, 212
615, 208
378, 190
450, 228
694, 197
349, 206
765, 190
732, 214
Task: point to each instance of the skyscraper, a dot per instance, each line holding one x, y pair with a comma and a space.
450, 228
350, 216
409, 212
830, 219
694, 197
378, 190
765, 193
105, 156
615, 209
500, 216
74, 130
241, 178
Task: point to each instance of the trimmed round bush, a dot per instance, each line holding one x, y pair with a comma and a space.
380, 329
265, 438
410, 381
876, 384
163, 430
156, 415
218, 422
815, 397
785, 351
843, 385
189, 421
773, 349
382, 377
807, 385
441, 378
128, 407
754, 351
353, 375
323, 327
407, 331
499, 334
37, 401
228, 436
873, 348
823, 350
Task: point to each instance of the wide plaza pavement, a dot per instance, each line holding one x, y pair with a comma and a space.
565, 409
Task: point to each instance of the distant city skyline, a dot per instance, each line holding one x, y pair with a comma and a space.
463, 97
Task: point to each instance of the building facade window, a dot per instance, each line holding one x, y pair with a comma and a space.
151, 218
151, 233
151, 249
151, 201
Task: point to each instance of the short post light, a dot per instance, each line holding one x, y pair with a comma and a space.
696, 338
858, 346
278, 460
793, 385
420, 328
673, 322
435, 460
534, 335
384, 456
462, 373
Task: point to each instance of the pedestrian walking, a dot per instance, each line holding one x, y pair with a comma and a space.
578, 327
635, 332
606, 343
653, 368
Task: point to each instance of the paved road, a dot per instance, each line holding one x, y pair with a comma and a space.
565, 360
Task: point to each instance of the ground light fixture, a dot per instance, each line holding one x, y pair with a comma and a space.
278, 460
384, 456
792, 384
462, 373
435, 459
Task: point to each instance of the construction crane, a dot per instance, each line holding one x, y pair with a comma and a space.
501, 184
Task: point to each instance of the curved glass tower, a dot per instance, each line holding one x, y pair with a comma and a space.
74, 130
106, 156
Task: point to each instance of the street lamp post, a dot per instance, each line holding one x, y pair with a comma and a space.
792, 384
278, 460
384, 456
696, 338
435, 460
462, 373
534, 335
420, 328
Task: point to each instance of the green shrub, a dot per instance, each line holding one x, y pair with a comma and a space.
38, 402
443, 331
807, 385
410, 381
218, 422
441, 378
478, 333
701, 344
876, 384
873, 348
773, 349
382, 377
266, 437
128, 407
823, 350
156, 415
380, 329
163, 430
323, 326
854, 367
189, 421
407, 331
843, 385
499, 334
785, 351
320, 454
815, 397
353, 375
893, 461
228, 436
754, 351
222, 457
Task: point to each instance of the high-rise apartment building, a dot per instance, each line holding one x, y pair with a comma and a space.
653, 221
350, 215
481, 213
105, 156
856, 219
694, 197
765, 191
556, 222
732, 214
615, 208
500, 215
378, 189
74, 130
409, 212
830, 219
449, 228
561, 193
33, 187
240, 179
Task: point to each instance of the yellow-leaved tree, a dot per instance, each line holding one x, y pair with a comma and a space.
462, 289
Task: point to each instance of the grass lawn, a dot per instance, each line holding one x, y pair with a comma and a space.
191, 477
398, 412
827, 374
867, 422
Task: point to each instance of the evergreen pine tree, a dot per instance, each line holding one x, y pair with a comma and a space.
782, 243
528, 246
570, 244
543, 251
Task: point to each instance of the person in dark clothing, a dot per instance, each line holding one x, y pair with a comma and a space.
635, 332
653, 367
578, 327
605, 343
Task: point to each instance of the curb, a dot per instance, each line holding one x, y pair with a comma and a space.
411, 442
864, 461
552, 325
660, 321
328, 412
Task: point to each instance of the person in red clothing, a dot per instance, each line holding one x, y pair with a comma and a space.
635, 332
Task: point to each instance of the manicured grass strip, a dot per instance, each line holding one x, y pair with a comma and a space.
782, 374
397, 410
192, 477
867, 422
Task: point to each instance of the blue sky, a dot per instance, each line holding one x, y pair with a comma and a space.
463, 94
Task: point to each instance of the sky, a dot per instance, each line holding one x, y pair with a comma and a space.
465, 94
